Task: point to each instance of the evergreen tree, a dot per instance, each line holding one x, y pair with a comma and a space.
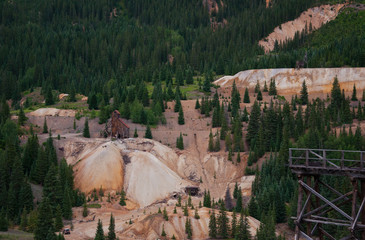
45, 128
239, 201
363, 95
238, 159
211, 142
44, 222
58, 221
197, 104
265, 87
52, 187
253, 208
180, 142
23, 220
196, 214
243, 232
99, 231
253, 124
188, 229
217, 145
165, 216
85, 212
234, 224
207, 82
336, 97
111, 233
354, 97
181, 119
3, 221
148, 133
86, 132
67, 206
122, 199
93, 103
246, 97
212, 225
272, 88
163, 233
135, 135
21, 117
49, 97
222, 223
257, 87
304, 94
235, 100
259, 96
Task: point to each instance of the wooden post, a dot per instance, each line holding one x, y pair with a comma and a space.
309, 183
299, 208
324, 159
307, 158
318, 203
354, 196
363, 210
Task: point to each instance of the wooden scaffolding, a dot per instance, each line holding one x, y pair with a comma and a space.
313, 207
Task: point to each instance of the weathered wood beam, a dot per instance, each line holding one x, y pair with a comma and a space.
325, 200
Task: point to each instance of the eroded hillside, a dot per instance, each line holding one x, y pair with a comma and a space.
289, 80
311, 19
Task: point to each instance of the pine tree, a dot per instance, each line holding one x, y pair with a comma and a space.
354, 97
67, 206
52, 187
272, 88
99, 231
180, 142
86, 132
259, 96
196, 215
188, 229
111, 233
265, 87
212, 225
234, 224
197, 104
181, 119
148, 133
304, 94
238, 159
163, 233
45, 128
135, 135
239, 201
257, 87
23, 220
49, 97
235, 191
363, 95
165, 216
3, 221
217, 145
222, 223
58, 221
44, 222
211, 142
21, 117
253, 208
122, 199
206, 83
243, 232
246, 97
253, 124
85, 212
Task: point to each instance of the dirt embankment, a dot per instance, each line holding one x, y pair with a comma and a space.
315, 17
289, 81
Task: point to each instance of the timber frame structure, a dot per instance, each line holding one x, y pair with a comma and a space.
116, 127
309, 165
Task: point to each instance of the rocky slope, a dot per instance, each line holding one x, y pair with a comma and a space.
316, 16
289, 80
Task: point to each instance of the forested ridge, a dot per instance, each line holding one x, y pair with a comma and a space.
141, 54
82, 45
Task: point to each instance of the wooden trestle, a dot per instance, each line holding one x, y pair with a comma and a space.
310, 165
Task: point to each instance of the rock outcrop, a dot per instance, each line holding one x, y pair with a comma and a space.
289, 80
